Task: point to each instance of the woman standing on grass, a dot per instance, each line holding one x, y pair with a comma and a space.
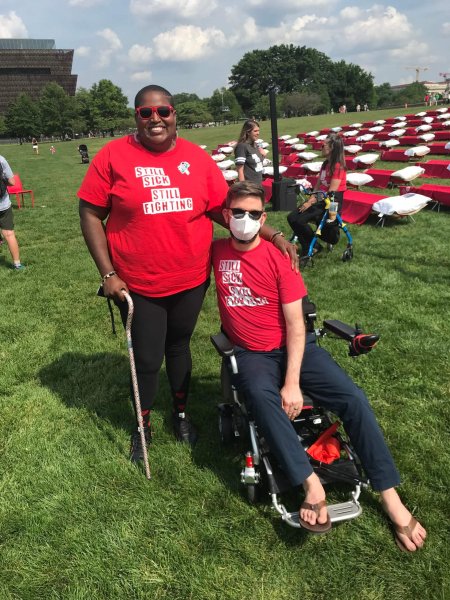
249, 157
332, 178
159, 194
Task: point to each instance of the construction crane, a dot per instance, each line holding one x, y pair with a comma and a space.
417, 70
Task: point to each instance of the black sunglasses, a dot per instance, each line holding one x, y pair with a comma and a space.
163, 111
239, 213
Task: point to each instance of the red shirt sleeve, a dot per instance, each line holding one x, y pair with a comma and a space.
290, 284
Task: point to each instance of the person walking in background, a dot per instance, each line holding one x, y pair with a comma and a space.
249, 157
6, 213
35, 146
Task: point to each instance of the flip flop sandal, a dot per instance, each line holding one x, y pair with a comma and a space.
318, 527
405, 530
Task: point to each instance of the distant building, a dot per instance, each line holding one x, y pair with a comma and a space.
26, 66
431, 86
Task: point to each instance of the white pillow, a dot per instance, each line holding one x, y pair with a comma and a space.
397, 125
443, 116
441, 110
230, 175
428, 119
424, 128
389, 143
266, 162
353, 148
307, 155
351, 133
218, 157
358, 179
366, 137
292, 141
356, 125
397, 133
408, 173
380, 122
402, 118
322, 137
203, 147
225, 164
402, 205
314, 167
263, 144
299, 147
285, 137
421, 114
446, 123
312, 133
226, 149
447, 146
336, 129
304, 183
269, 170
427, 137
418, 151
366, 159
376, 129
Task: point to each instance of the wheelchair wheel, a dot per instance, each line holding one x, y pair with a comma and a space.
252, 492
226, 432
306, 261
348, 254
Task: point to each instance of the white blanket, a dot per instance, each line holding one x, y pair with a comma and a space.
401, 205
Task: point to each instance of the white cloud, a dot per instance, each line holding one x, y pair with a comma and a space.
188, 42
12, 26
296, 32
289, 5
376, 27
186, 9
113, 46
446, 27
82, 51
141, 76
139, 55
85, 3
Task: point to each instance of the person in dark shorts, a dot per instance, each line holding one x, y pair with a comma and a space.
6, 216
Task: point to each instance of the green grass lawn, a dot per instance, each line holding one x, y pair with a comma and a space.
78, 521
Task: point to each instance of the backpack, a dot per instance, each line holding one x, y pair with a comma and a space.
3, 182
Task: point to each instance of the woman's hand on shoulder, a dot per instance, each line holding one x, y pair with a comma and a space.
289, 250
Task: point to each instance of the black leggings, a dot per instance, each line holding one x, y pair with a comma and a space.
163, 327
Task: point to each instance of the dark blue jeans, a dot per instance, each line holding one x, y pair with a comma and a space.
261, 375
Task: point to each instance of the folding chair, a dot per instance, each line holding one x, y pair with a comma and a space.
19, 191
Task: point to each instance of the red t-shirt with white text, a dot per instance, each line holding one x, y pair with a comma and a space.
325, 178
159, 237
251, 287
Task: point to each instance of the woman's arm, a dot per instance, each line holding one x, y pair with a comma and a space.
91, 221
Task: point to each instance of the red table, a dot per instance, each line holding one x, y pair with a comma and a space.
442, 135
381, 177
438, 148
394, 155
439, 193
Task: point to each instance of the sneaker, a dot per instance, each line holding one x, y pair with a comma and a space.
184, 429
18, 267
136, 453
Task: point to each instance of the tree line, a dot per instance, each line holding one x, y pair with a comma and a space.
306, 82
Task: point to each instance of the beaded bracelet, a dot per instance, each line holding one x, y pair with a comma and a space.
275, 235
108, 275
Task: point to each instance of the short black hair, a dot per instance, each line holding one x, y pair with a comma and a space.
152, 88
243, 189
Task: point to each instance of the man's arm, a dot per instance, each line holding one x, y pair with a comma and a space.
291, 395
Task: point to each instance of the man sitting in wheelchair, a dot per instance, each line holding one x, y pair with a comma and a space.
260, 303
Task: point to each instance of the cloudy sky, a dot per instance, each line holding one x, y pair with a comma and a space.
191, 45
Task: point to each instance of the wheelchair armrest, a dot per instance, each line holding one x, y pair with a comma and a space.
222, 344
359, 342
342, 330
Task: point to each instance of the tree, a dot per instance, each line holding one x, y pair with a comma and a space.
23, 117
299, 104
223, 105
384, 95
58, 110
350, 85
411, 94
86, 111
109, 105
189, 113
184, 97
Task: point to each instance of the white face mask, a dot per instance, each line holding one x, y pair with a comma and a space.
245, 229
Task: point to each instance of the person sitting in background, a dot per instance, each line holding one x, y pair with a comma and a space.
332, 178
261, 314
249, 157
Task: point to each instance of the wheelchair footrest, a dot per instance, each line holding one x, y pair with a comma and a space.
343, 511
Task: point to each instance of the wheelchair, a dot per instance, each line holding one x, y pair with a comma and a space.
315, 428
83, 150
328, 230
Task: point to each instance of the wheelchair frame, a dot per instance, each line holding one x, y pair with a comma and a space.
235, 422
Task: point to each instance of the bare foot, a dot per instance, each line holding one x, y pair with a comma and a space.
410, 534
314, 494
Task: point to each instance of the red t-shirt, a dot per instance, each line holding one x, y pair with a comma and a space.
159, 237
338, 173
251, 287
